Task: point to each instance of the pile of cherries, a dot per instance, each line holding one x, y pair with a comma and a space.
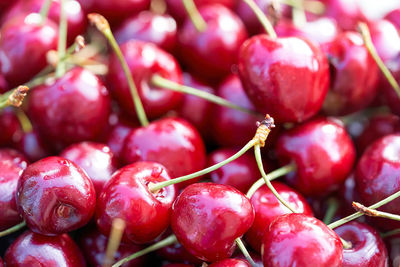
134, 144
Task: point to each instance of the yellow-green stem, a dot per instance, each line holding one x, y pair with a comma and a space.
262, 18
13, 229
244, 251
194, 15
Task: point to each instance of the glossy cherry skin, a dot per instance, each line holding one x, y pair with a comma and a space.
23, 47
270, 69
378, 176
149, 27
386, 39
300, 240
12, 164
210, 54
172, 142
267, 208
31, 249
10, 127
368, 249
145, 60
207, 218
230, 263
323, 153
233, 127
55, 196
127, 196
117, 135
71, 109
347, 13
33, 146
394, 17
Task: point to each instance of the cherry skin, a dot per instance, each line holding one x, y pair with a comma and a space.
23, 47
347, 13
323, 153
267, 208
390, 95
10, 127
271, 68
31, 249
207, 218
12, 164
33, 146
171, 142
393, 247
55, 196
177, 253
300, 240
117, 135
145, 60
385, 38
394, 17
230, 263
127, 196
368, 249
3, 84
210, 54
71, 109
177, 265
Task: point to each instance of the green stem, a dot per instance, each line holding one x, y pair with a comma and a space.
3, 103
390, 233
62, 40
158, 186
346, 244
194, 15
159, 81
262, 18
333, 206
298, 14
26, 124
311, 6
44, 10
13, 229
365, 113
375, 213
163, 243
243, 249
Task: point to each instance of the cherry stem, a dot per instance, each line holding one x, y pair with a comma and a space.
298, 13
372, 50
346, 244
62, 40
24, 121
194, 15
390, 233
15, 97
158, 6
365, 113
44, 10
13, 229
159, 81
117, 230
375, 213
333, 206
311, 6
243, 249
262, 18
271, 176
104, 27
163, 243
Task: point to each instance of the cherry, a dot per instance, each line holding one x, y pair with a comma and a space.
70, 109
300, 240
394, 17
267, 208
172, 142
256, 258
323, 152
207, 218
95, 159
127, 196
33, 146
12, 164
211, 53
55, 196
368, 249
270, 69
346, 12
230, 263
23, 47
177, 265
385, 38
390, 95
177, 253
31, 249
3, 84
393, 247
10, 127
116, 137
145, 60
346, 195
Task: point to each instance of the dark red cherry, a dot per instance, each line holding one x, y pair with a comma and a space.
31, 249
367, 247
55, 196
390, 95
207, 218
394, 17
271, 68
95, 159
127, 196
12, 164
32, 145
393, 247
323, 152
386, 39
145, 60
171, 142
210, 54
10, 127
3, 84
116, 137
300, 240
347, 13
231, 263
23, 47
267, 208
71, 109
346, 195
177, 265
149, 27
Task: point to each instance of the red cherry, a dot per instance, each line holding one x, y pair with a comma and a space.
346, 195
271, 68
385, 38
393, 247
390, 95
177, 265
394, 17
256, 258
3, 84
207, 218
145, 60
300, 240
117, 135
210, 54
368, 249
323, 152
10, 127
55, 196
31, 249
127, 196
33, 146
231, 263
347, 13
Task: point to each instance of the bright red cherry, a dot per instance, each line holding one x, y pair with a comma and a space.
207, 218
55, 196
10, 127
145, 60
32, 145
267, 208
300, 240
367, 247
386, 39
231, 263
347, 13
323, 153
127, 196
394, 17
31, 249
274, 71
210, 54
